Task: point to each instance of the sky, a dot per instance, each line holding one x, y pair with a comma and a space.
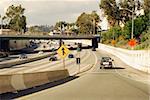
48, 12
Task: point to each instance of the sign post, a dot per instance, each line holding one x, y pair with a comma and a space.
64, 63
63, 51
78, 59
78, 62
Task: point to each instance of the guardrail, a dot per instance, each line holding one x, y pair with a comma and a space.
138, 59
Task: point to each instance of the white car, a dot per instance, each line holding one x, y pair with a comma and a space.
40, 52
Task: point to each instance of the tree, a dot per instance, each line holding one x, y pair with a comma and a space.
61, 25
111, 11
119, 12
127, 7
140, 25
41, 28
146, 7
95, 20
87, 22
16, 18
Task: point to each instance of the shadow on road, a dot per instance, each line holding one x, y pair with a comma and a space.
114, 68
10, 96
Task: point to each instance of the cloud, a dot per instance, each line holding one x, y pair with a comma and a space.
51, 11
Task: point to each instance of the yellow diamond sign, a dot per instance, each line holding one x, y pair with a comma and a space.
63, 51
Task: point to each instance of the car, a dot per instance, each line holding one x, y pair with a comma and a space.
48, 42
75, 43
23, 56
70, 56
88, 46
93, 49
53, 49
106, 62
40, 52
71, 47
44, 46
53, 58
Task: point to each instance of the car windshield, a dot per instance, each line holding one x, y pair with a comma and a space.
105, 58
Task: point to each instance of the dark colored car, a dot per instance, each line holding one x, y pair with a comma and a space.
23, 56
106, 62
53, 58
53, 49
70, 56
71, 47
44, 46
75, 43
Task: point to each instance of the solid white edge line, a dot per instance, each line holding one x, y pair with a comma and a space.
145, 82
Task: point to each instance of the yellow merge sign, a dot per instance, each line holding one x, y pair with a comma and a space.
63, 51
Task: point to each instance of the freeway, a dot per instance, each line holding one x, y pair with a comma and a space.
14, 58
120, 83
46, 65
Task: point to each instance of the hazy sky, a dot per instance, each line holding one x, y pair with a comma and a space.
41, 12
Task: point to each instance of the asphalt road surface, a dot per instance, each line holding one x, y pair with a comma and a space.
46, 65
120, 83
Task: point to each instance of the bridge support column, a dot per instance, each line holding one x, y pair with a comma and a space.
60, 42
94, 43
4, 45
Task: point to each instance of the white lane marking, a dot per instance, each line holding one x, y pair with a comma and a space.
143, 81
96, 61
17, 59
20, 67
34, 66
88, 64
73, 68
50, 65
60, 65
76, 72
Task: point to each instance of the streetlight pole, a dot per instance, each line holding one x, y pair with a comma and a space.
132, 21
132, 11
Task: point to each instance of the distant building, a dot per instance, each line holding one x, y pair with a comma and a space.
5, 31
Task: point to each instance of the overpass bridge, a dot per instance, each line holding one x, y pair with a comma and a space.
4, 39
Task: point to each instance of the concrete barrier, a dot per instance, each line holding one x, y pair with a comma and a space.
13, 63
5, 84
138, 59
15, 82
